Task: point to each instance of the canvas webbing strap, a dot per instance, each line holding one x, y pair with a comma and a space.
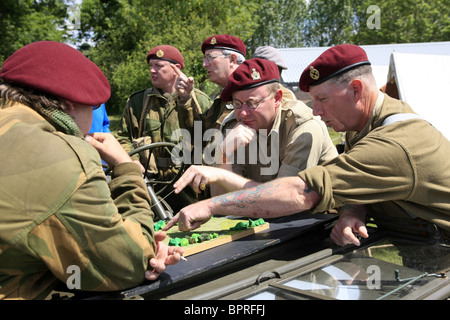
400, 117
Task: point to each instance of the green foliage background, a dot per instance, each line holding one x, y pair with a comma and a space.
117, 34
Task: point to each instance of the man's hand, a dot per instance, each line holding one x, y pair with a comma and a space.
165, 255
184, 85
350, 223
191, 217
108, 147
240, 136
198, 177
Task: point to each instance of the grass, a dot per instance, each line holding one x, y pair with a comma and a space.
385, 251
336, 137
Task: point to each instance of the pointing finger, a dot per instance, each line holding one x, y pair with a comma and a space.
179, 72
171, 223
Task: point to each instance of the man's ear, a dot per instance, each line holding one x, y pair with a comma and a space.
178, 65
278, 97
233, 58
357, 88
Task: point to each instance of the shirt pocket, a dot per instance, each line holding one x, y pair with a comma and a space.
152, 129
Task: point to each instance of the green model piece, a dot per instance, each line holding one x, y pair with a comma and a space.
160, 225
249, 224
194, 238
179, 242
174, 242
198, 238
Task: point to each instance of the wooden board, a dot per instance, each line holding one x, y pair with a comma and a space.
219, 225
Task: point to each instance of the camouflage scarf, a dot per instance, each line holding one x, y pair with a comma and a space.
61, 120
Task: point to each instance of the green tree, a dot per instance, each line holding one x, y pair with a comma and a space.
124, 31
403, 21
279, 24
26, 21
117, 34
329, 22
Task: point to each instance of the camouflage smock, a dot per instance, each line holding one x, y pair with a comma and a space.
57, 211
155, 115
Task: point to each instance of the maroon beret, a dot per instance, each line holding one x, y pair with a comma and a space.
57, 69
250, 74
167, 53
332, 62
224, 41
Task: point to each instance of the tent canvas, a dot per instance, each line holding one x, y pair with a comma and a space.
423, 81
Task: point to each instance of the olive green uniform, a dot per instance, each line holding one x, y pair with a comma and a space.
400, 170
57, 212
303, 141
153, 116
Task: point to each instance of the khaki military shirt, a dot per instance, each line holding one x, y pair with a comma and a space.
400, 169
297, 141
58, 214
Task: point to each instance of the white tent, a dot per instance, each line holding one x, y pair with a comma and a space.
423, 81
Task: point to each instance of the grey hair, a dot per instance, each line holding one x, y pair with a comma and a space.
362, 72
273, 87
240, 57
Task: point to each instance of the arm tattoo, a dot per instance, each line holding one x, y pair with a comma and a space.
240, 199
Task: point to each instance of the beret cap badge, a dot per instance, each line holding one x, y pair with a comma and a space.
250, 74
160, 53
314, 73
224, 42
255, 75
167, 53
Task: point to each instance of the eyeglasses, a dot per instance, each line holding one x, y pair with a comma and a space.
96, 107
251, 104
210, 57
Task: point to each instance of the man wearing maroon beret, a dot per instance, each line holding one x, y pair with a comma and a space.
154, 114
395, 168
287, 137
60, 221
222, 55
